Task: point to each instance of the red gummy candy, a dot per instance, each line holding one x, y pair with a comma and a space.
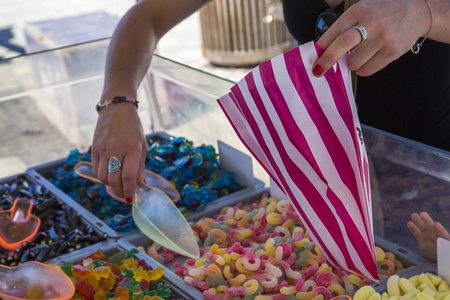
85, 290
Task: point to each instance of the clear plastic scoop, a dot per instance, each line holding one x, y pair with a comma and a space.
18, 225
155, 214
34, 280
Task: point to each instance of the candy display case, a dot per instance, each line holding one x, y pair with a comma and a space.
407, 177
111, 249
62, 229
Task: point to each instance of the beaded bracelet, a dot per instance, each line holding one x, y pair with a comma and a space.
117, 99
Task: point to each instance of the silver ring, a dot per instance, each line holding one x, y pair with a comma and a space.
363, 33
113, 164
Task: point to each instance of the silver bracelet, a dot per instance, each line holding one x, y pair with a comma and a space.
416, 47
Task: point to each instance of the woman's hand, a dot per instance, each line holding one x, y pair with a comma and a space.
392, 26
119, 134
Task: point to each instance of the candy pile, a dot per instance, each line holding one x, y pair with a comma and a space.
262, 251
119, 277
61, 230
193, 170
425, 286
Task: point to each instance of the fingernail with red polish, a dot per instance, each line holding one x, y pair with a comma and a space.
129, 200
317, 70
143, 178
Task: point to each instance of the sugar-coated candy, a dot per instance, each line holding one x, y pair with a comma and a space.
263, 250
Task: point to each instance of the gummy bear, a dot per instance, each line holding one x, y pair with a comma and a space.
121, 293
85, 290
129, 263
80, 271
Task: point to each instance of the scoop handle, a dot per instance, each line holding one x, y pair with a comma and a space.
84, 169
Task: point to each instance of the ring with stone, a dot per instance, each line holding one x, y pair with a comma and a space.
363, 33
113, 164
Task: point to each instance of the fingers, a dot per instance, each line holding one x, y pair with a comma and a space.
130, 174
141, 178
341, 45
115, 177
416, 233
102, 169
441, 231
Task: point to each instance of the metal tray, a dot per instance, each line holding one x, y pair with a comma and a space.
97, 230
110, 248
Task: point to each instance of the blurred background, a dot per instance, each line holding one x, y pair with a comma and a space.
52, 58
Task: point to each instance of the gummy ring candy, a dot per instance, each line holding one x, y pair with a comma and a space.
218, 235
251, 285
387, 267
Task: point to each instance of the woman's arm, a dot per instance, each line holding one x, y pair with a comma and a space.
119, 132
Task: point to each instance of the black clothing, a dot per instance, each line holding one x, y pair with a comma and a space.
410, 97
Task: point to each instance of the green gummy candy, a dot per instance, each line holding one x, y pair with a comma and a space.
117, 258
67, 268
308, 245
129, 254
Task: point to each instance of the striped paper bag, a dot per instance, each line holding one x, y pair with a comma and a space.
306, 134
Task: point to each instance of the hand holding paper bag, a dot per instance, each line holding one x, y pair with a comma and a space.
305, 132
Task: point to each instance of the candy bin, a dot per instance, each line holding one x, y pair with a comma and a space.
194, 171
257, 246
416, 283
61, 229
113, 272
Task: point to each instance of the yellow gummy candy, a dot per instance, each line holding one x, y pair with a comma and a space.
441, 296
379, 254
424, 296
221, 288
274, 219
358, 281
405, 285
271, 208
262, 297
435, 279
429, 291
290, 290
447, 297
306, 295
384, 296
393, 288
238, 280
411, 294
443, 286
252, 286
423, 278
318, 297
364, 293
414, 280
375, 296
337, 289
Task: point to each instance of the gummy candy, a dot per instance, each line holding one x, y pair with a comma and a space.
195, 173
103, 278
263, 251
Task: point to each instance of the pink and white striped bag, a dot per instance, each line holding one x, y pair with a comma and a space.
306, 134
